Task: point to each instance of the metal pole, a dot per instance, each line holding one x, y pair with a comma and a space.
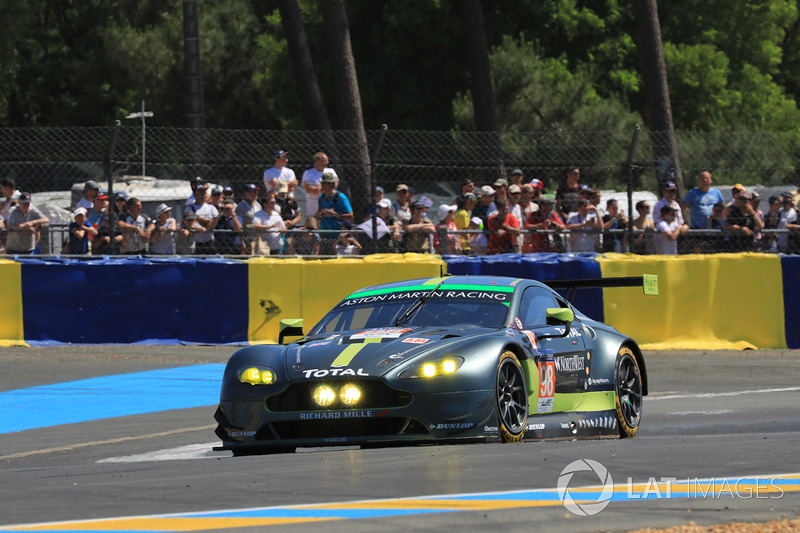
110, 179
374, 193
144, 126
630, 184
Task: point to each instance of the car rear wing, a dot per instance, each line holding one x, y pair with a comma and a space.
648, 282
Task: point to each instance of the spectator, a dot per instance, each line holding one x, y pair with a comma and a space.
227, 227
641, 222
216, 197
478, 243
312, 181
401, 207
417, 230
582, 222
504, 228
464, 207
120, 204
98, 210
279, 173
755, 201
8, 188
135, 228
289, 210
486, 206
668, 230
567, 193
545, 218
501, 189
444, 231
388, 229
346, 244
307, 242
514, 197
184, 238
516, 177
379, 194
614, 220
269, 226
200, 193
537, 184
23, 223
162, 237
90, 190
79, 231
101, 245
227, 192
771, 221
669, 193
716, 243
334, 208
742, 223
246, 210
701, 200
788, 242
206, 212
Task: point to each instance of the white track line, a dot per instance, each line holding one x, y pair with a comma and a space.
720, 394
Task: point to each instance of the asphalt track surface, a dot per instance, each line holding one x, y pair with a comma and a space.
70, 451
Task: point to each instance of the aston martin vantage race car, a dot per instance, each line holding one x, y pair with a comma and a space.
448, 358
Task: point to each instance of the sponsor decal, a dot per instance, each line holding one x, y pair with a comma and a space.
490, 429
518, 322
599, 381
241, 433
547, 385
332, 372
380, 333
415, 340
531, 337
535, 427
605, 422
415, 295
568, 364
335, 439
573, 332
564, 425
334, 415
318, 344
461, 425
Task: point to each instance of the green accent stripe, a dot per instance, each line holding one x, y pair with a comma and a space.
347, 355
454, 287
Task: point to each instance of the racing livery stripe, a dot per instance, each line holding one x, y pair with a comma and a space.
453, 287
692, 488
344, 358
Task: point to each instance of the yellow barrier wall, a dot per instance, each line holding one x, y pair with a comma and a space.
705, 301
11, 326
307, 289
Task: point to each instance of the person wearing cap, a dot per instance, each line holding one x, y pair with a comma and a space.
287, 206
200, 193
246, 210
162, 237
787, 242
669, 194
135, 228
742, 223
8, 188
516, 177
504, 228
401, 206
334, 210
312, 182
388, 229
668, 230
184, 237
514, 195
120, 203
567, 193
227, 192
269, 228
485, 206
501, 189
206, 212
90, 190
279, 173
417, 231
700, 201
716, 243
583, 225
80, 233
478, 243
464, 206
226, 227
23, 223
98, 210
216, 197
444, 240
758, 238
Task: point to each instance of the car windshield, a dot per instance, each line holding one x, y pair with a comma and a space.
483, 307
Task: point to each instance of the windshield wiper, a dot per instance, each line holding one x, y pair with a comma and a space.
417, 306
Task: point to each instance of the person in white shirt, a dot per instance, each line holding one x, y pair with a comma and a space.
279, 173
90, 190
668, 230
312, 182
268, 225
580, 223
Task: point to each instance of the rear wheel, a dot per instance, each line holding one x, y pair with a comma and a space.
628, 388
512, 398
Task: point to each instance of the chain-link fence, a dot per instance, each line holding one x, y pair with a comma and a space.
54, 164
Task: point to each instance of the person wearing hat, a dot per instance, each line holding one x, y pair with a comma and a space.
417, 231
162, 237
567, 193
312, 182
8, 188
669, 194
758, 239
501, 189
333, 210
226, 227
516, 177
444, 240
269, 228
279, 173
401, 206
227, 192
90, 190
98, 209
184, 237
788, 242
287, 206
216, 197
200, 193
23, 223
80, 233
514, 198
485, 207
120, 203
701, 200
206, 211
716, 243
478, 243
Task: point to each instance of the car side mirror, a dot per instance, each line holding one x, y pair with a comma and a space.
290, 327
559, 316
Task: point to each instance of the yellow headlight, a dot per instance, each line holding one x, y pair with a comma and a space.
267, 377
324, 395
350, 394
251, 375
448, 366
429, 370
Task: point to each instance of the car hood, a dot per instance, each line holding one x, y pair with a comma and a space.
367, 352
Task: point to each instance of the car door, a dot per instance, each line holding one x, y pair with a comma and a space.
560, 359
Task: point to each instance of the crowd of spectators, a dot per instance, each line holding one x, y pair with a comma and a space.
506, 216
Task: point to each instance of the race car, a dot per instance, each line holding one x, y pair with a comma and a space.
442, 359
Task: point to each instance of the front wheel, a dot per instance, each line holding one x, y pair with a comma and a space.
628, 388
512, 398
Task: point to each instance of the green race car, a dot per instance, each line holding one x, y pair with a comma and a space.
426, 360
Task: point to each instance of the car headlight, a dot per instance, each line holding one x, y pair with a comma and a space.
433, 368
257, 375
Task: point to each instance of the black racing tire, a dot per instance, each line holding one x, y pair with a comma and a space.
512, 398
628, 393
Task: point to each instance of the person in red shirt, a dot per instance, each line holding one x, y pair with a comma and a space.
544, 219
504, 229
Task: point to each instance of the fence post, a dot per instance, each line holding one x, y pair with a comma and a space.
630, 184
110, 179
373, 162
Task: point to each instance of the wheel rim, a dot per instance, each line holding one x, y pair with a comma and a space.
511, 397
629, 391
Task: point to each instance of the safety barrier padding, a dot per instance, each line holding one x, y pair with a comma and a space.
790, 266
11, 325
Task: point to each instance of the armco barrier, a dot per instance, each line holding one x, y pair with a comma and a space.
705, 302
